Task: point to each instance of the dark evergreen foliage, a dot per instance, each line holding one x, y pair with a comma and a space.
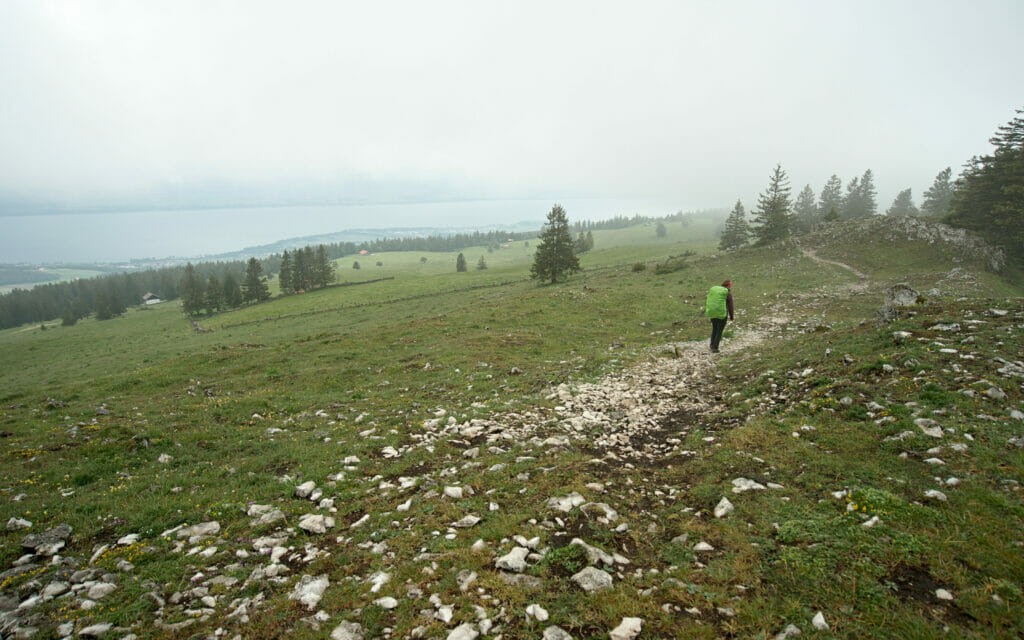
903, 206
989, 196
772, 217
805, 211
460, 263
831, 196
255, 288
939, 196
737, 231
554, 256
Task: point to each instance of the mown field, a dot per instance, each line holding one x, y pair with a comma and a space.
139, 425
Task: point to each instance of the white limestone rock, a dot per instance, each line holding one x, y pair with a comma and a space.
514, 560
309, 590
347, 631
724, 508
592, 579
628, 629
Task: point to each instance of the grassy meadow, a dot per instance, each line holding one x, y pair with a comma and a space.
139, 424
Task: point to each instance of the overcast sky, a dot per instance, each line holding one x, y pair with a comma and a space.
689, 102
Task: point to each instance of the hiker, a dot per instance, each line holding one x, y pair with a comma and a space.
718, 307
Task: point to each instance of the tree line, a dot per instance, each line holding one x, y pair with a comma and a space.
105, 296
987, 198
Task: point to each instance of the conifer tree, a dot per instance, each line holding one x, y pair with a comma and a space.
868, 195
772, 216
989, 196
214, 297
324, 267
232, 292
939, 196
300, 271
355, 265
831, 195
590, 240
831, 215
805, 211
660, 230
851, 201
460, 263
284, 273
255, 288
737, 231
903, 206
481, 264
554, 256
191, 291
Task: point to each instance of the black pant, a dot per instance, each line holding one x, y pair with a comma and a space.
717, 327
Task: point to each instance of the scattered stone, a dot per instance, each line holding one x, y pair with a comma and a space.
18, 524
49, 542
347, 631
309, 590
454, 493
929, 427
942, 594
515, 560
95, 630
703, 546
316, 523
565, 504
790, 631
996, 393
164, 458
199, 530
935, 494
723, 508
743, 484
592, 579
305, 489
628, 629
386, 602
466, 522
538, 612
556, 633
465, 631
819, 622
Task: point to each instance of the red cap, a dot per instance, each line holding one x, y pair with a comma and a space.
727, 284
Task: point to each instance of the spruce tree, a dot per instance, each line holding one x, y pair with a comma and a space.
191, 291
460, 263
590, 240
660, 230
831, 215
255, 287
939, 196
232, 292
852, 207
324, 267
903, 206
772, 216
868, 195
481, 264
554, 256
284, 273
805, 211
214, 298
831, 195
989, 196
736, 232
300, 271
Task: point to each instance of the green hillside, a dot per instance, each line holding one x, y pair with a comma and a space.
450, 419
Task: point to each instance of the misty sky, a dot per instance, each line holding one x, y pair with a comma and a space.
689, 102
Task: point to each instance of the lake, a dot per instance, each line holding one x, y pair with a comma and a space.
122, 236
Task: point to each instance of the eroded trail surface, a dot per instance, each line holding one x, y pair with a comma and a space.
860, 286
641, 413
